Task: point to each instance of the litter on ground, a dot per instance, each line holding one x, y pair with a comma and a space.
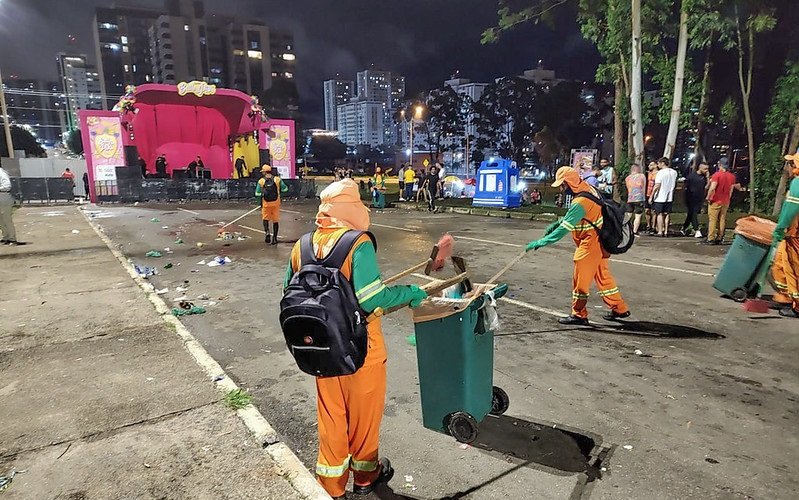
75, 231
219, 261
188, 312
153, 253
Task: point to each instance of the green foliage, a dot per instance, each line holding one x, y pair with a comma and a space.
445, 115
663, 76
238, 399
562, 110
514, 12
23, 140
730, 112
785, 104
768, 170
74, 141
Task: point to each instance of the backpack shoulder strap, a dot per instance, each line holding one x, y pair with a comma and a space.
307, 255
590, 196
343, 247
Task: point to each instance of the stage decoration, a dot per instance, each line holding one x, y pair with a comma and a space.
197, 88
127, 103
256, 110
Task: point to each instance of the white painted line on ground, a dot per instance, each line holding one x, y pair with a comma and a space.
262, 431
189, 211
632, 263
252, 229
515, 302
489, 241
290, 211
394, 227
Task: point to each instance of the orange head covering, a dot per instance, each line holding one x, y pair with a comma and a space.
341, 206
266, 168
571, 178
795, 159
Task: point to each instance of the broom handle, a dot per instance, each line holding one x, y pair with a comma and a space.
505, 269
239, 218
430, 288
406, 272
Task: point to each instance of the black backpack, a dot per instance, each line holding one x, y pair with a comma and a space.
269, 189
322, 321
616, 234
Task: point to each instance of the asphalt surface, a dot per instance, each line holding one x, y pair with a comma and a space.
706, 409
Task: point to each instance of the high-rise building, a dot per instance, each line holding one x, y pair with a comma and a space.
361, 122
36, 106
182, 43
337, 92
80, 83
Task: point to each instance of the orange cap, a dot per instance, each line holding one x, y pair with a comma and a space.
567, 175
266, 168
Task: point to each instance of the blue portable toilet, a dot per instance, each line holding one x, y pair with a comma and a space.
496, 185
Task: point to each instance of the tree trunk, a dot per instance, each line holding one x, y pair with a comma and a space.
792, 147
679, 77
635, 90
618, 125
746, 89
699, 149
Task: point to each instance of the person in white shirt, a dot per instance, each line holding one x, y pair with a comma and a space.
663, 195
607, 179
9, 235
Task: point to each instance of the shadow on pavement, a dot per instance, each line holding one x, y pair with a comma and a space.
538, 445
661, 330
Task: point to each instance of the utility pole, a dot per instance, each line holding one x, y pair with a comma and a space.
6, 119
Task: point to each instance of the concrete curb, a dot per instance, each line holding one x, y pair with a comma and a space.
262, 431
483, 212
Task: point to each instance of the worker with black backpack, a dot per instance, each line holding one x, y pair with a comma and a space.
599, 229
268, 190
332, 285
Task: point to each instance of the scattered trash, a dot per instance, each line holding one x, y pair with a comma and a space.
242, 238
164, 227
162, 291
411, 339
153, 253
711, 460
203, 296
408, 479
146, 465
178, 241
671, 397
144, 271
210, 303
180, 299
639, 352
219, 378
627, 447
464, 446
167, 250
182, 289
5, 481
200, 244
155, 219
201, 263
224, 297
188, 312
75, 231
219, 261
168, 265
150, 379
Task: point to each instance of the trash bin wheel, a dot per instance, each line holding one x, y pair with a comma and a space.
739, 295
463, 427
499, 401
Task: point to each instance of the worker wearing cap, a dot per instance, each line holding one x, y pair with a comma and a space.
590, 259
785, 270
268, 191
350, 407
379, 189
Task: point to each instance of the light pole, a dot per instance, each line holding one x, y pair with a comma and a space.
417, 113
6, 118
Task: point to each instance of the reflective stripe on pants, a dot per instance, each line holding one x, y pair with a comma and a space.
593, 266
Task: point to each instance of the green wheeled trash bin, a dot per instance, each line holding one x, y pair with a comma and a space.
736, 278
455, 354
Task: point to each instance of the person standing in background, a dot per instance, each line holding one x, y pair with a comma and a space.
401, 179
718, 196
86, 184
663, 195
410, 179
652, 171
9, 234
636, 195
695, 189
606, 179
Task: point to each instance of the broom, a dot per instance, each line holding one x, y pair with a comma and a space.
222, 229
441, 252
758, 305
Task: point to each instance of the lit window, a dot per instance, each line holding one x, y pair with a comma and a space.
238, 52
123, 39
289, 75
274, 74
185, 27
124, 48
289, 57
255, 54
134, 68
127, 68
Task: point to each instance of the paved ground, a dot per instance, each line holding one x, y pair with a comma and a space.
709, 412
99, 398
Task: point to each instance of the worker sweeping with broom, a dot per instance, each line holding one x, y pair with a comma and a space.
583, 221
332, 284
268, 189
785, 270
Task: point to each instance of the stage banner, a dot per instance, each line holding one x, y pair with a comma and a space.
583, 160
101, 134
278, 138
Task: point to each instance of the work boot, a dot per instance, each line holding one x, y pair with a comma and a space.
386, 473
614, 316
267, 236
573, 320
275, 226
789, 312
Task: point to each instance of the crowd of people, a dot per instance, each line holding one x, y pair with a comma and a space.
422, 184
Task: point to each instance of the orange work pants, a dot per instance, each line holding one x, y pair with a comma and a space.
785, 270
592, 265
270, 210
349, 411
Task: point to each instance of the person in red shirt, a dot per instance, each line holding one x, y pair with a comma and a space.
718, 197
69, 175
652, 172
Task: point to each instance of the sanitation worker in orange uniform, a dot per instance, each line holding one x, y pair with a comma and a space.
350, 407
590, 260
268, 189
785, 270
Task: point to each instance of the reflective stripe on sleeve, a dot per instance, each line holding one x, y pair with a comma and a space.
370, 290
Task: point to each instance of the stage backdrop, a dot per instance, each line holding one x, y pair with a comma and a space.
278, 137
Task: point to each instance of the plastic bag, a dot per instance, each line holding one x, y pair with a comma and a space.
490, 317
756, 229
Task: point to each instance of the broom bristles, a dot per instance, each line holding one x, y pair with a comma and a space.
444, 252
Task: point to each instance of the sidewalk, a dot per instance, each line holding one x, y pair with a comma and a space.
100, 397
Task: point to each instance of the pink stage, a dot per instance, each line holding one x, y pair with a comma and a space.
184, 126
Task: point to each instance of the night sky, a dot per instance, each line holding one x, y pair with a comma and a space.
422, 39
